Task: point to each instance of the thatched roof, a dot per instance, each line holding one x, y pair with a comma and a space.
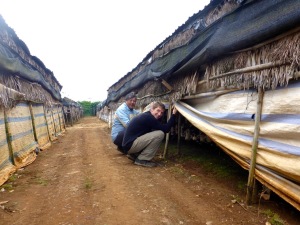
16, 60
220, 29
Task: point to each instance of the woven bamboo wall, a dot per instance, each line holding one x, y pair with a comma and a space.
40, 124
21, 134
6, 164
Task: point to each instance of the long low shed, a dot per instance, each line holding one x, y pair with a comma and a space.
232, 71
31, 111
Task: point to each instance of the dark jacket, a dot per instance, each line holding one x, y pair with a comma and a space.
142, 124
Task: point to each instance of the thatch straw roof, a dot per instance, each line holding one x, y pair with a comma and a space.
23, 72
220, 30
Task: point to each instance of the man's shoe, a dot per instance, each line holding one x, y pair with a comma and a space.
145, 163
132, 157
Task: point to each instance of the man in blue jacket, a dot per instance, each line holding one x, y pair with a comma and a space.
145, 133
123, 115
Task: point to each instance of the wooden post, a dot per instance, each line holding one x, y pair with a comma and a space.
251, 176
33, 122
45, 116
8, 137
59, 119
168, 134
53, 121
178, 133
71, 115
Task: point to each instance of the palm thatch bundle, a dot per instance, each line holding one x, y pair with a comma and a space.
266, 66
184, 37
23, 91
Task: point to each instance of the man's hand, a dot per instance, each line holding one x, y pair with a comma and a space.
174, 111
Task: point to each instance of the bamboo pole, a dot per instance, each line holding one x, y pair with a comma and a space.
45, 116
250, 69
54, 126
179, 134
167, 85
168, 134
211, 94
33, 122
8, 137
59, 111
251, 176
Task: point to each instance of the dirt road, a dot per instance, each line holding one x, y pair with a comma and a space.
83, 179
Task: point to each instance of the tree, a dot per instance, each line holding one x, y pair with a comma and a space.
89, 108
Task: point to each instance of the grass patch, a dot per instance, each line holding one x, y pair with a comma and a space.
274, 218
210, 159
7, 186
12, 177
177, 170
88, 183
41, 181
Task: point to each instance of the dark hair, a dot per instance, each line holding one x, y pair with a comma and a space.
130, 96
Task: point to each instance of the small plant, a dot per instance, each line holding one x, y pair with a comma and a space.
177, 170
241, 185
13, 177
7, 186
88, 183
41, 181
274, 218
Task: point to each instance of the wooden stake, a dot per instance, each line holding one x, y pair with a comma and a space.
250, 69
33, 122
168, 134
251, 176
8, 137
179, 133
45, 116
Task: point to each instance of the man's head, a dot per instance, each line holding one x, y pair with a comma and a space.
157, 110
130, 100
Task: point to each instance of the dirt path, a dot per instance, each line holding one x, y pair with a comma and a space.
83, 179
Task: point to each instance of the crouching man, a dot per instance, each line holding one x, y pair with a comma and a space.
123, 115
145, 133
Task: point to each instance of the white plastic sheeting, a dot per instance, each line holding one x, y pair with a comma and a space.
228, 120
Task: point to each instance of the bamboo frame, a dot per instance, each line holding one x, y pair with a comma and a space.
179, 134
33, 122
250, 69
8, 137
168, 134
210, 94
251, 176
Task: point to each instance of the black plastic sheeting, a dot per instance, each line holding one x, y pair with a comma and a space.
11, 62
248, 25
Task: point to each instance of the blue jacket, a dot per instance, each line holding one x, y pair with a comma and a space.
122, 117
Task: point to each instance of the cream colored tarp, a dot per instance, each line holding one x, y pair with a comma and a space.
50, 124
228, 120
6, 164
40, 124
61, 118
55, 113
21, 135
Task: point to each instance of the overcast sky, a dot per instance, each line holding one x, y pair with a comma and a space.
89, 45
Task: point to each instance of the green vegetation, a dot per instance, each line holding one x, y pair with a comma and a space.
89, 108
209, 158
7, 186
41, 181
88, 183
13, 177
274, 218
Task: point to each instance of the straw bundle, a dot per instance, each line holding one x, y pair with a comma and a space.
17, 89
268, 66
